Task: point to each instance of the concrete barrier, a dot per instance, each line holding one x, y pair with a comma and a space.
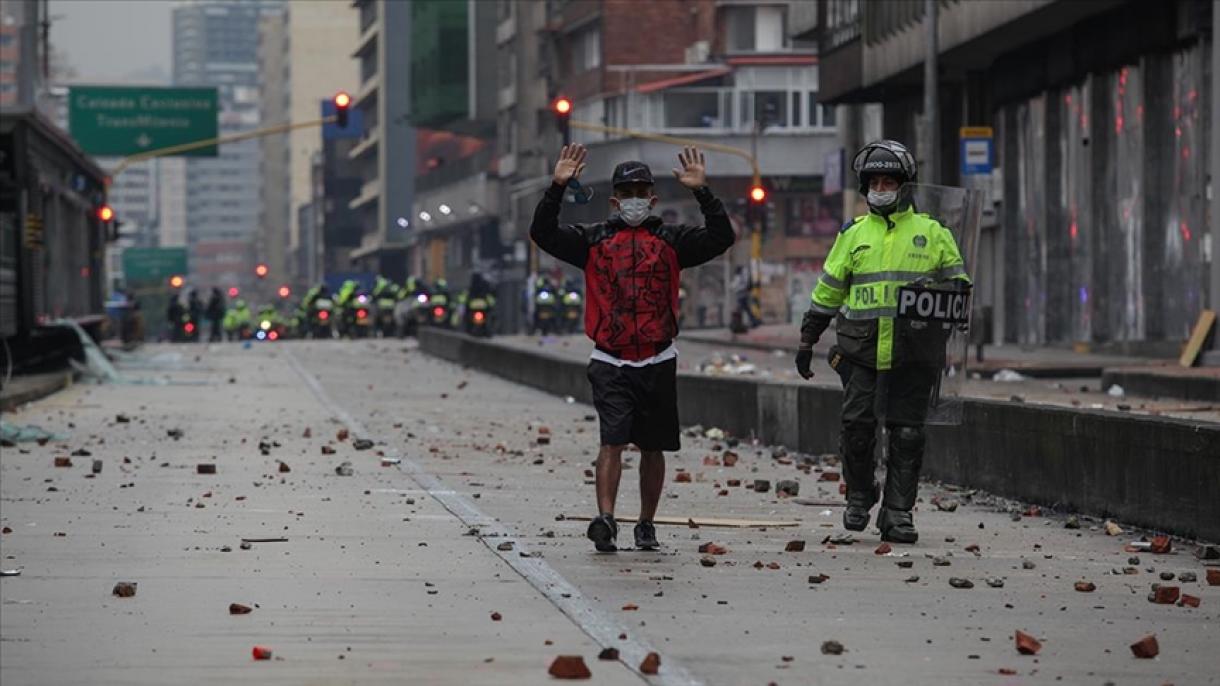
1153, 472
1202, 386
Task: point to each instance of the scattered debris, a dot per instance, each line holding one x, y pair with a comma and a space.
1113, 529
239, 609
818, 578
283, 467
97, 467
795, 547
1008, 376
10, 572
958, 582
264, 540
1213, 577
570, 667
1085, 586
63, 462
761, 485
883, 549
391, 461
1026, 644
1188, 577
1164, 595
630, 607
682, 478
344, 469
1072, 522
729, 458
124, 589
707, 561
945, 505
496, 616
710, 548
362, 444
832, 648
342, 435
327, 450
650, 664
1146, 647
1116, 391
122, 418
505, 546
1160, 545
261, 653
608, 654
1208, 552
175, 434
205, 468
995, 582
787, 488
1188, 601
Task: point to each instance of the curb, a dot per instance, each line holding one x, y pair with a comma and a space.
53, 383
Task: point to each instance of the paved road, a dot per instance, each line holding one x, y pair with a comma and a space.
718, 359
380, 580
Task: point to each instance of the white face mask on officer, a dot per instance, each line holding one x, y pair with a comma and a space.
634, 211
882, 199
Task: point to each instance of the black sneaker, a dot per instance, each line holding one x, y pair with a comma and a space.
646, 536
602, 531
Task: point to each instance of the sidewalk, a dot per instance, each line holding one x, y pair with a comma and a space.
30, 387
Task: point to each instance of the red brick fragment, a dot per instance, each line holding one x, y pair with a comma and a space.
682, 477
883, 549
842, 488
772, 565
327, 450
308, 433
1188, 601
829, 476
1086, 586
630, 607
1213, 577
6, 530
1026, 644
707, 561
1007, 671
651, 663
1160, 545
1146, 647
205, 469
729, 459
713, 548
239, 609
495, 617
284, 468
342, 435
711, 461
972, 548
63, 462
1165, 595
124, 589
608, 654
795, 547
570, 667
733, 482
261, 653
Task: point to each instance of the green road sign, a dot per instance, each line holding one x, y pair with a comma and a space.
153, 265
120, 121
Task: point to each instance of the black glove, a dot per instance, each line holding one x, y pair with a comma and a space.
804, 357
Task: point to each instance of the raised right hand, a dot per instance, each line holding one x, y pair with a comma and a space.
570, 164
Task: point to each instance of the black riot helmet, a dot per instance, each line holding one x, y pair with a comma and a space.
884, 157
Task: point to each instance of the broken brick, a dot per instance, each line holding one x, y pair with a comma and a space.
630, 607
496, 616
1188, 601
842, 488
362, 444
308, 433
1113, 529
205, 469
829, 476
883, 549
1164, 595
734, 483
239, 609
710, 461
972, 548
1026, 644
342, 435
608, 654
762, 485
570, 667
1146, 647
650, 664
818, 578
713, 548
63, 462
125, 589
832, 648
1007, 671
1160, 545
544, 440
1213, 577
795, 547
1086, 586
682, 477
772, 565
707, 561
729, 459
327, 450
284, 468
261, 653
787, 488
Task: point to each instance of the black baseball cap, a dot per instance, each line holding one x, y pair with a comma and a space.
631, 172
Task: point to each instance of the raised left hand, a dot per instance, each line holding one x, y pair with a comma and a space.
693, 174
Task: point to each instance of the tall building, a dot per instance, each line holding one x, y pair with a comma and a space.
386, 153
304, 59
216, 44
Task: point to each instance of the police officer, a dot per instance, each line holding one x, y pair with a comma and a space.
885, 366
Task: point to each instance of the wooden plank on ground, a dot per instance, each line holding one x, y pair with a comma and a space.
1194, 344
699, 521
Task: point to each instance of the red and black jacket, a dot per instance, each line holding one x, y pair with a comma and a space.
631, 273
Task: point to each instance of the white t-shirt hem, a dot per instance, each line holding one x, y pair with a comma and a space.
665, 355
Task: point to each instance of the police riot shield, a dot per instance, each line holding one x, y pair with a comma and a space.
932, 324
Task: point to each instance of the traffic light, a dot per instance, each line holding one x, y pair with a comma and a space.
285, 291
343, 101
105, 213
176, 281
261, 270
756, 208
758, 195
233, 292
562, 107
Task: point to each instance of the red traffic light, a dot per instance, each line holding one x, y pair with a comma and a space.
758, 194
176, 281
233, 292
342, 102
261, 270
342, 99
105, 213
285, 291
562, 106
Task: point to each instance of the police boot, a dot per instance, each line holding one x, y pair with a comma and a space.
901, 483
857, 444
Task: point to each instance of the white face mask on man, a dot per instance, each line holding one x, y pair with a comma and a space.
882, 199
634, 210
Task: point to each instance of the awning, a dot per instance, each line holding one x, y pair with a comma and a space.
683, 80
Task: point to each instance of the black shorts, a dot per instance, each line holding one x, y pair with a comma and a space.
637, 404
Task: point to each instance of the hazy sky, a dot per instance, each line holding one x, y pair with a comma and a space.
114, 41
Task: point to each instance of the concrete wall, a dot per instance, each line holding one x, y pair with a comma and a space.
1152, 472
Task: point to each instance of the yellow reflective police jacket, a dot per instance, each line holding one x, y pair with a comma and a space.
871, 258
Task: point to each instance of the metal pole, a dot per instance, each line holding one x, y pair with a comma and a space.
1214, 229
931, 116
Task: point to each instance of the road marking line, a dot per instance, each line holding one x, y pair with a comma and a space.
602, 628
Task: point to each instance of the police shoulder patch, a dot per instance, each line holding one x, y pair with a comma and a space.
852, 222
